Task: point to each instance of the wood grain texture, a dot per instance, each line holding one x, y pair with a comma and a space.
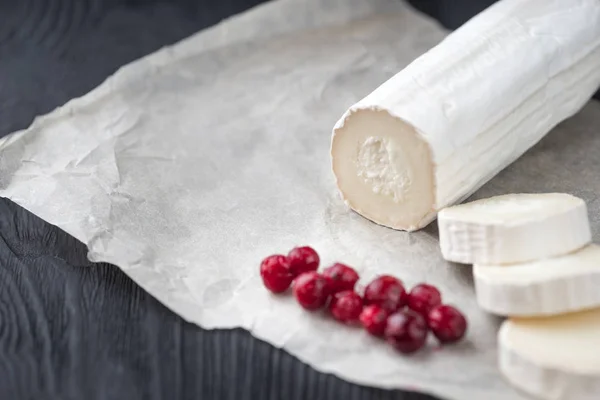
70, 329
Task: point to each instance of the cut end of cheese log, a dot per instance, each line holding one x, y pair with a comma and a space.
545, 287
553, 358
441, 128
384, 169
513, 228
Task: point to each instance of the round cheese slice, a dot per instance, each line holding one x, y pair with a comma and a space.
544, 287
555, 358
513, 228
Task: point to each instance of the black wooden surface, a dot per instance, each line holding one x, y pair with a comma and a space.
70, 329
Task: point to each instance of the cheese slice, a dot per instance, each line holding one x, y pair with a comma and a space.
459, 114
513, 228
554, 358
543, 287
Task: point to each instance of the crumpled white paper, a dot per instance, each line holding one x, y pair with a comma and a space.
189, 166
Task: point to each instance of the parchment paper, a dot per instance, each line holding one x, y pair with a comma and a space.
189, 166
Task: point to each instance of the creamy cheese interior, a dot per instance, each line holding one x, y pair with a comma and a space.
513, 208
567, 342
384, 169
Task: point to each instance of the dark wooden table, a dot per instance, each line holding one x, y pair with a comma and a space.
70, 329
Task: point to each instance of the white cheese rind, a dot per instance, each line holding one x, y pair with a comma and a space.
546, 287
470, 106
552, 358
513, 228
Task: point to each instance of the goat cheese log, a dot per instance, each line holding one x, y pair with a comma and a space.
451, 120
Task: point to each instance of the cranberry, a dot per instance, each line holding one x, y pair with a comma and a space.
311, 290
275, 273
341, 277
386, 292
447, 323
424, 297
346, 306
373, 318
303, 259
406, 331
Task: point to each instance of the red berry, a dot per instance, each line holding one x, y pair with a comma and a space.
303, 259
341, 277
275, 273
311, 290
447, 323
373, 318
406, 331
424, 297
346, 306
386, 292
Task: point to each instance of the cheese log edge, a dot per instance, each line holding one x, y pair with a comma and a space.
442, 127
